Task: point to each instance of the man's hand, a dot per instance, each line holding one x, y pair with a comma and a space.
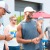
6, 45
8, 37
7, 48
36, 40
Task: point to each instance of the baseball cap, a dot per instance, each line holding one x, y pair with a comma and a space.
29, 9
5, 6
40, 18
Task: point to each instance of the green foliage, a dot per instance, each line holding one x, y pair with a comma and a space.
20, 18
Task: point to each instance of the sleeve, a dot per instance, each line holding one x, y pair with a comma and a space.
46, 29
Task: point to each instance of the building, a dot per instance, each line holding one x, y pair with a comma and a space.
36, 4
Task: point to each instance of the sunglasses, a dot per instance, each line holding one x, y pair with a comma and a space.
14, 20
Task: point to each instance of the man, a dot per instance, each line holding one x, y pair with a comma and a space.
11, 29
47, 30
3, 10
26, 30
40, 21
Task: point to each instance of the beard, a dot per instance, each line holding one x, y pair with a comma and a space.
29, 17
13, 23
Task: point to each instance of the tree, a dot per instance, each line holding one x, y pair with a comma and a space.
20, 18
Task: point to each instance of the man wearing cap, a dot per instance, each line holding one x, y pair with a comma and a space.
40, 22
3, 10
26, 30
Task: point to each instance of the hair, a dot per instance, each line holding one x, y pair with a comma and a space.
12, 17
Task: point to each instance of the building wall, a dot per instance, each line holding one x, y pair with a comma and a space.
37, 1
46, 4
10, 4
19, 6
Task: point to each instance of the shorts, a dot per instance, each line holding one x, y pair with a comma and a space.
47, 44
14, 47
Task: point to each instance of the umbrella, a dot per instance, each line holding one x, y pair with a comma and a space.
41, 14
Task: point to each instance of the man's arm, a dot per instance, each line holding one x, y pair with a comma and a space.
46, 30
39, 29
19, 36
2, 37
7, 35
6, 45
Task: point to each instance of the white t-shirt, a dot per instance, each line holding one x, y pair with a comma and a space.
12, 31
1, 41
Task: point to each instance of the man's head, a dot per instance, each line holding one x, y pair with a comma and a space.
28, 12
3, 8
13, 20
40, 19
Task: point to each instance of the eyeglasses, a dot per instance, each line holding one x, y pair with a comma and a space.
14, 20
